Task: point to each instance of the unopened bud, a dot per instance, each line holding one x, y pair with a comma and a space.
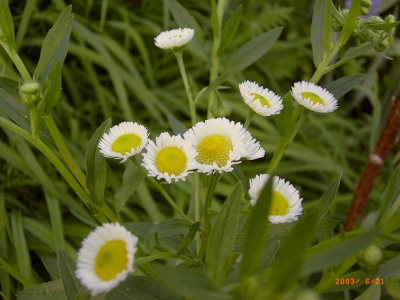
219, 109
392, 285
366, 3
370, 257
30, 93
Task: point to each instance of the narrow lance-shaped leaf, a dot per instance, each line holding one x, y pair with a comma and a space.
96, 166
223, 236
67, 268
344, 85
6, 26
283, 120
256, 234
321, 29
230, 28
55, 45
350, 22
252, 50
52, 88
325, 203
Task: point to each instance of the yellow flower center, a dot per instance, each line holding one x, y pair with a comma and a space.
214, 148
111, 259
315, 99
125, 143
262, 99
171, 160
279, 204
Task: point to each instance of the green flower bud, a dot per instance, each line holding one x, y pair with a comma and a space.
366, 3
30, 93
384, 45
364, 11
219, 109
392, 285
370, 257
390, 19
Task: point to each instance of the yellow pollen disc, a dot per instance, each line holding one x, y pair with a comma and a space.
171, 160
214, 148
125, 143
279, 204
315, 99
111, 259
263, 100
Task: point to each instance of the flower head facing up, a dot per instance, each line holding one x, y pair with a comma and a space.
314, 97
170, 157
106, 258
174, 39
263, 101
286, 201
124, 140
220, 143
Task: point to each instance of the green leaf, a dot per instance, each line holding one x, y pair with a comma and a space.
6, 26
131, 180
380, 26
252, 50
391, 193
320, 258
13, 108
350, 23
283, 120
372, 293
52, 290
222, 237
55, 45
230, 28
52, 267
191, 284
214, 19
141, 288
67, 268
344, 85
354, 52
10, 86
321, 29
255, 238
165, 229
288, 264
52, 89
188, 238
185, 20
177, 126
325, 202
96, 165
215, 84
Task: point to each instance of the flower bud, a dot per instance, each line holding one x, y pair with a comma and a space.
366, 3
219, 109
30, 93
370, 257
392, 285
390, 19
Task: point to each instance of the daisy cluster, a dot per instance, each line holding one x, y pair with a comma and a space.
214, 145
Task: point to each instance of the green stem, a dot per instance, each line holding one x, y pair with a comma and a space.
161, 190
213, 72
178, 55
17, 275
197, 207
212, 182
42, 147
64, 151
249, 117
144, 260
17, 62
322, 68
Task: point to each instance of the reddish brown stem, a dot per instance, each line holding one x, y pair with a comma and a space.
376, 159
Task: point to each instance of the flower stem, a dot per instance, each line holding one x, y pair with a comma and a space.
249, 117
17, 62
161, 190
178, 55
64, 151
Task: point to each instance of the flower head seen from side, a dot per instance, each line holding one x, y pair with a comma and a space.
106, 258
124, 140
220, 143
170, 157
174, 39
262, 101
286, 201
314, 97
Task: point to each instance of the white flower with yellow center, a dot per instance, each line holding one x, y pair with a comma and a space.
124, 140
286, 201
314, 97
263, 101
170, 157
220, 143
106, 258
174, 39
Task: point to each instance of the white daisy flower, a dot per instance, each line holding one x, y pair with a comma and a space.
106, 258
124, 140
286, 201
220, 143
170, 157
174, 39
314, 97
263, 101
